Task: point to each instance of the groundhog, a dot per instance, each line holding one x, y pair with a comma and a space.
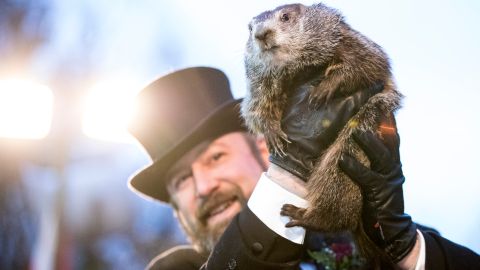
296, 45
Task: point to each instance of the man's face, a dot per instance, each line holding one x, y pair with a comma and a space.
210, 184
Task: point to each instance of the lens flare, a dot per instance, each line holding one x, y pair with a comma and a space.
25, 109
107, 109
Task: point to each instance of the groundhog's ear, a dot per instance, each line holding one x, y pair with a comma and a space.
299, 8
289, 9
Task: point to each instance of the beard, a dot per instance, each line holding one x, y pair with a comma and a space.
203, 236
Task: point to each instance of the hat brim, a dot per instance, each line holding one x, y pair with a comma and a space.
150, 182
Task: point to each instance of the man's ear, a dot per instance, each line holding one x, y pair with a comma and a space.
262, 149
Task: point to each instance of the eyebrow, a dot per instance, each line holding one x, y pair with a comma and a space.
186, 160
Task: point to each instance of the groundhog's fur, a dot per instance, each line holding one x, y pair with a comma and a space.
291, 46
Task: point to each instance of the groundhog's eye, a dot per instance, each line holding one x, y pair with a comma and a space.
285, 17
250, 27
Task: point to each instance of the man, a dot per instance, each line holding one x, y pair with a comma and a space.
208, 168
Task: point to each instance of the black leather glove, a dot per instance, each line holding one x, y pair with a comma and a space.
383, 215
311, 130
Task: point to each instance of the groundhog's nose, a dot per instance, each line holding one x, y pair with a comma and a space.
262, 34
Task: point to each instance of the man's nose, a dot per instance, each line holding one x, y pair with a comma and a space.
205, 182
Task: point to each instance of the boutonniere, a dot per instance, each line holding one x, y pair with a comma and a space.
337, 256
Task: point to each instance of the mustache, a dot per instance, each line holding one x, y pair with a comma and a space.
211, 202
207, 205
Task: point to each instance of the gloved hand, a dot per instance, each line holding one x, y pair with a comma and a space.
312, 130
383, 216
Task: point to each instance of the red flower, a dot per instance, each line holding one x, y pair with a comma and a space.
341, 250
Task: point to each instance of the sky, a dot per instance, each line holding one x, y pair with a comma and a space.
434, 48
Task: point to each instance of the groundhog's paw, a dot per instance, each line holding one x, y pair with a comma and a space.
276, 141
283, 136
296, 215
292, 211
319, 98
295, 222
275, 145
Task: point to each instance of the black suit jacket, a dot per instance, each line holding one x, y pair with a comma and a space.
179, 257
249, 244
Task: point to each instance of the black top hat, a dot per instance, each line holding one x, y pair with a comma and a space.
175, 113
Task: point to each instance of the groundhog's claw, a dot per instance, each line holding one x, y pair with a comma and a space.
275, 142
298, 217
295, 213
294, 223
317, 99
292, 211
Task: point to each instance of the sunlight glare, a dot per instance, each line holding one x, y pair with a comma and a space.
107, 110
25, 109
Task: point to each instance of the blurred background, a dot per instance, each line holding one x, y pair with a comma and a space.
69, 71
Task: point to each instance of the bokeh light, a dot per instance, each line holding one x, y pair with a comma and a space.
25, 109
107, 110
